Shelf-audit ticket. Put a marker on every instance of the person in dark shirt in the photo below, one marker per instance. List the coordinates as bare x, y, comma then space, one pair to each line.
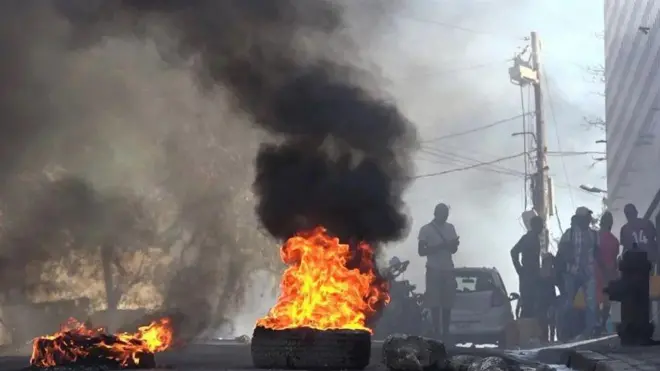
529, 266
606, 269
547, 299
638, 231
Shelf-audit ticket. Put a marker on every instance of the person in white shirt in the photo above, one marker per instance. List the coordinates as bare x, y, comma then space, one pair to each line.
438, 241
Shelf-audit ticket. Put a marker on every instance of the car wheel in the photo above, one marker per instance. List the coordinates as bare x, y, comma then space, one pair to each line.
306, 348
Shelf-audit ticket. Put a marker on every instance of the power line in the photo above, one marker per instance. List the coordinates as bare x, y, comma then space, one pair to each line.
429, 175
468, 161
525, 150
505, 171
554, 120
477, 129
561, 230
531, 142
446, 25
461, 69
465, 160
574, 153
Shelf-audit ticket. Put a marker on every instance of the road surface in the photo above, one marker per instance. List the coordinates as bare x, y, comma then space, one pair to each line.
231, 356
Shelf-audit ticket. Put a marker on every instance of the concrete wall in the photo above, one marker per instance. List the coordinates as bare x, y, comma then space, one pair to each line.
632, 65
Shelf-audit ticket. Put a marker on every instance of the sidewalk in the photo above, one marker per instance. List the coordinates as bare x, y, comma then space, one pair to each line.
614, 359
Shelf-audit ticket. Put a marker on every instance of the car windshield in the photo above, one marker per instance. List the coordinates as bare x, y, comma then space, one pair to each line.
474, 281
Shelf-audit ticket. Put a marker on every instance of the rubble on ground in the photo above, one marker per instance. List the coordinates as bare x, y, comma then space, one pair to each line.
489, 364
413, 353
245, 339
545, 368
461, 362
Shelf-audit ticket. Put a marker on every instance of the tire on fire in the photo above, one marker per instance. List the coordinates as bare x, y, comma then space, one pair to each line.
307, 348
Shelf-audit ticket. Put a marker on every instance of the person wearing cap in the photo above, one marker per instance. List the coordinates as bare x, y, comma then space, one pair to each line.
638, 231
578, 249
438, 241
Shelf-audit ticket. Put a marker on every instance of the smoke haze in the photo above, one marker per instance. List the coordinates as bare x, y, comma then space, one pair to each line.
87, 130
161, 110
127, 107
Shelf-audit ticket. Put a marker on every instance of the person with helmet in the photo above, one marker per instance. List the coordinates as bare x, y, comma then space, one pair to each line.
438, 242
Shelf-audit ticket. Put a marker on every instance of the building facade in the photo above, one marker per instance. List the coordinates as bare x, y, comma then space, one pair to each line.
632, 111
632, 87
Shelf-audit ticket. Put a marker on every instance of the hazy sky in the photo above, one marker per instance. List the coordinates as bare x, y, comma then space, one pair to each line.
450, 75
446, 64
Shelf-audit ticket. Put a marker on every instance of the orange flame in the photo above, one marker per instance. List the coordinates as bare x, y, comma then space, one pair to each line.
76, 342
319, 291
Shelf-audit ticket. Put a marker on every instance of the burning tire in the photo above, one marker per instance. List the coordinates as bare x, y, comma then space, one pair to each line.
78, 345
307, 348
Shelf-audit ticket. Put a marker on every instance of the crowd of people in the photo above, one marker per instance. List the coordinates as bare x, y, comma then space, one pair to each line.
585, 262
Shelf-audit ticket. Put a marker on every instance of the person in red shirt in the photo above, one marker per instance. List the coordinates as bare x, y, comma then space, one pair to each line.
606, 267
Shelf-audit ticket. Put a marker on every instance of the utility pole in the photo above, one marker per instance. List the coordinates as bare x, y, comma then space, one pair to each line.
525, 73
540, 192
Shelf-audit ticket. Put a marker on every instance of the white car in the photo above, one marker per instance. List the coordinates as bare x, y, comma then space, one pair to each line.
482, 308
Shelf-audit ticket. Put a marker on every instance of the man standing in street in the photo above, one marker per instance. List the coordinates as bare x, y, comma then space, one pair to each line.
578, 249
639, 231
438, 241
547, 299
529, 246
606, 267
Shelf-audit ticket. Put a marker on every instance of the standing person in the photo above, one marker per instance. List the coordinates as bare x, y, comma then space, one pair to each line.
547, 299
606, 269
564, 320
438, 241
529, 246
642, 233
639, 231
578, 249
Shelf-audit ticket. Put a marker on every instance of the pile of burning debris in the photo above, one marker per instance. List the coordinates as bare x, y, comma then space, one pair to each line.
321, 320
328, 293
78, 344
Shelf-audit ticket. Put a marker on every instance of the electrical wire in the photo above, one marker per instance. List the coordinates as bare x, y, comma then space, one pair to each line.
484, 166
531, 143
457, 159
530, 140
574, 153
481, 164
461, 69
453, 148
554, 120
525, 150
561, 230
477, 129
449, 25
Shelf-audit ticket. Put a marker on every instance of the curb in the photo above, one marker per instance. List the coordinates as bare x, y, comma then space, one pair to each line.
554, 356
510, 359
586, 360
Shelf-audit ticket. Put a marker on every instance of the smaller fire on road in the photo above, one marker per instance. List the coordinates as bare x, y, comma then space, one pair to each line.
77, 344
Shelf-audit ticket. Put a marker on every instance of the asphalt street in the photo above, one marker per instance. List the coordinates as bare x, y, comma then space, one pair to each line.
234, 356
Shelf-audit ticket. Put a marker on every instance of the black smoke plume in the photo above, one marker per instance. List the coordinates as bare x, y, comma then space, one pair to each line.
336, 155
340, 156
